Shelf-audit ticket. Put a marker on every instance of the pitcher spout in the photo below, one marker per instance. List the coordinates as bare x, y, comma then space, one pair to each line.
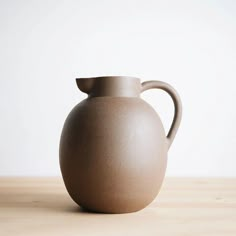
85, 84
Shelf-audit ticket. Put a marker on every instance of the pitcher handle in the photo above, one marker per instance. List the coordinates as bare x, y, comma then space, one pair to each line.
154, 84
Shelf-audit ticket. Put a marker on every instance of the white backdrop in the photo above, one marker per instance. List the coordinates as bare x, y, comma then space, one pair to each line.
45, 45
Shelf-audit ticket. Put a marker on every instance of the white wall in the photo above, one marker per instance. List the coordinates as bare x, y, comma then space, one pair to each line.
45, 45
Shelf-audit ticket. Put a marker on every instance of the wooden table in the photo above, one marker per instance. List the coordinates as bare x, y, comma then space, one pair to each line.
41, 206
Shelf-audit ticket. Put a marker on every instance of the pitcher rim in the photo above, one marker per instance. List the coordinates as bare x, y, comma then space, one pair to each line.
109, 76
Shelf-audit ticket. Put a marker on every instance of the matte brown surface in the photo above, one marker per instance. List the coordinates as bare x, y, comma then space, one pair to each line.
113, 149
184, 207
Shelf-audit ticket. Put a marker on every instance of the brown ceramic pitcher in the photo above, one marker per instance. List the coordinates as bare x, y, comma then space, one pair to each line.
113, 148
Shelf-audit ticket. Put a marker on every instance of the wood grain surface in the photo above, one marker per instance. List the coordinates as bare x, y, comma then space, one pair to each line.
185, 206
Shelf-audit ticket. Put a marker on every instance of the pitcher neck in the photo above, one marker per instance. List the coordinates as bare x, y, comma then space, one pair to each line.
110, 86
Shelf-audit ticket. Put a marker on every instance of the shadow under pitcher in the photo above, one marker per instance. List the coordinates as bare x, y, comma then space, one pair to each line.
113, 147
